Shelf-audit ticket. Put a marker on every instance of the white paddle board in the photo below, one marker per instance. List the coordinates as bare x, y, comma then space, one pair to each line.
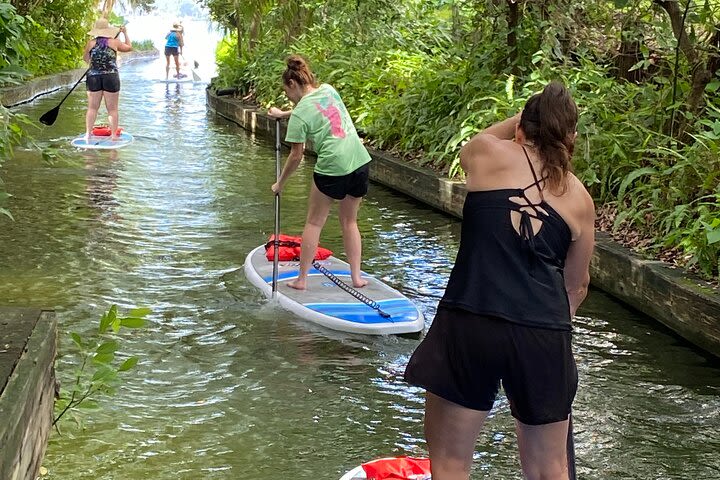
175, 80
326, 304
102, 142
356, 473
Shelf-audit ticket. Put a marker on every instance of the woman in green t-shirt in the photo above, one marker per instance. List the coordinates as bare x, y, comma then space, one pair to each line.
341, 172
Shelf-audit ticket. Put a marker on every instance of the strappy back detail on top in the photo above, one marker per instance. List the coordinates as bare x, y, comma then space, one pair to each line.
103, 58
506, 267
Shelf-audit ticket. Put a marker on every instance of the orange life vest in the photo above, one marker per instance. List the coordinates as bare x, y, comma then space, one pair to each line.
398, 468
289, 249
104, 131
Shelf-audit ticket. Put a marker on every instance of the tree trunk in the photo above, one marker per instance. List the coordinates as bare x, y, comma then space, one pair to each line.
513, 20
702, 74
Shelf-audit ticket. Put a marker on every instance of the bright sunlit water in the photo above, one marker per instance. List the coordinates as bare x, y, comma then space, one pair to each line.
229, 387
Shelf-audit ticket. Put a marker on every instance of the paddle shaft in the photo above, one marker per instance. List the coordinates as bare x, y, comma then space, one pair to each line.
276, 257
571, 450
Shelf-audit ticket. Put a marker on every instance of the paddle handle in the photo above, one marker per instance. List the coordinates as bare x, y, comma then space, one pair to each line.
276, 244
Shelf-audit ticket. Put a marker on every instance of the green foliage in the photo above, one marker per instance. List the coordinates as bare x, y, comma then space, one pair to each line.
13, 131
420, 77
48, 38
143, 45
98, 367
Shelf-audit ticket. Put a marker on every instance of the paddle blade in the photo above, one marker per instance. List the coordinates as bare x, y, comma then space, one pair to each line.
196, 77
49, 117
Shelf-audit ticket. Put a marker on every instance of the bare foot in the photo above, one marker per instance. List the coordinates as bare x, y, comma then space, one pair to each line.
297, 284
359, 283
114, 138
87, 138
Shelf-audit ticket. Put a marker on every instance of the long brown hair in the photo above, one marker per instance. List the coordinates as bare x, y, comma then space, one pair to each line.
549, 121
299, 71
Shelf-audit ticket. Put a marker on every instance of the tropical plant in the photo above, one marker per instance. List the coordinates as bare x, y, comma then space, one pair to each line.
420, 77
97, 369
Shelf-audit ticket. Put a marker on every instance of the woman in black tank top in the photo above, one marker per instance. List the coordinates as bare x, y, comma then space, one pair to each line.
520, 274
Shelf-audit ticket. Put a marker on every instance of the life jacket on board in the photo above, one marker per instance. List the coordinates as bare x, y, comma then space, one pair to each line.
104, 131
398, 468
289, 249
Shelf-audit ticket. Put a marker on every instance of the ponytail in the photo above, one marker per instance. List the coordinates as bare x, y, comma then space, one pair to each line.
549, 121
298, 71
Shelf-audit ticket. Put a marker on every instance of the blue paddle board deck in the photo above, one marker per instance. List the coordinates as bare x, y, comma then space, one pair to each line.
326, 304
102, 142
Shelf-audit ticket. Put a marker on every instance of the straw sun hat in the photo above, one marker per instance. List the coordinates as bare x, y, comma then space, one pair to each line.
103, 28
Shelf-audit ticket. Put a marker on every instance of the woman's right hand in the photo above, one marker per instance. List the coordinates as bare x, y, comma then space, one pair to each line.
275, 112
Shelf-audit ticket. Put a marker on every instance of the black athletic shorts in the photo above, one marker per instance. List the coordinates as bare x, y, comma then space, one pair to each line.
354, 184
171, 51
106, 82
464, 357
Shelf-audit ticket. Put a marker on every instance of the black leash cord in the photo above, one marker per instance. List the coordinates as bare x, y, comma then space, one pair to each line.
367, 301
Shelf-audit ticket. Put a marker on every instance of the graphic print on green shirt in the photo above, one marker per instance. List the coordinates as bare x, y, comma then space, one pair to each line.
322, 118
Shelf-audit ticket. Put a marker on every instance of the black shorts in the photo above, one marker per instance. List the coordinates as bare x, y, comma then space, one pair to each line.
172, 51
464, 357
106, 82
354, 184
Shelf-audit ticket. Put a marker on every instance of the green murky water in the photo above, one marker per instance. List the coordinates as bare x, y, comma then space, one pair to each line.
231, 388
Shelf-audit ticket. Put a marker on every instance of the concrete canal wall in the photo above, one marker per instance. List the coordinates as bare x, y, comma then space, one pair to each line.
28, 339
672, 297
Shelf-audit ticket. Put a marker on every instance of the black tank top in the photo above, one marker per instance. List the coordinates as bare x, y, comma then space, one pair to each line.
514, 276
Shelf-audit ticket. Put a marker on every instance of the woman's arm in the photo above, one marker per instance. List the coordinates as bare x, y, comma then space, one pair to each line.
125, 46
275, 112
504, 130
86, 53
577, 263
291, 164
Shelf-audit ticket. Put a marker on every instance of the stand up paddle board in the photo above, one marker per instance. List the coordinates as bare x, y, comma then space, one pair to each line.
325, 303
175, 80
356, 473
102, 142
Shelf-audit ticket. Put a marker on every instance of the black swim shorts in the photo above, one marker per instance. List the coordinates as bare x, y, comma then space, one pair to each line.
354, 184
106, 82
171, 51
464, 357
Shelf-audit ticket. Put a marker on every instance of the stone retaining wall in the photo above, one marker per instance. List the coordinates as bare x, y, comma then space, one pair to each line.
668, 295
28, 340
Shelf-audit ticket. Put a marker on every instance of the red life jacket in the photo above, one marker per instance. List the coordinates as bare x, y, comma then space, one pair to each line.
398, 468
104, 131
289, 249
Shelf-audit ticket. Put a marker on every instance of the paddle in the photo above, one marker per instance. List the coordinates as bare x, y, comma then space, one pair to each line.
196, 77
277, 210
571, 451
48, 118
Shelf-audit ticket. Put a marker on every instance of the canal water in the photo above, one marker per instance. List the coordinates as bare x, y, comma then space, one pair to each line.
231, 387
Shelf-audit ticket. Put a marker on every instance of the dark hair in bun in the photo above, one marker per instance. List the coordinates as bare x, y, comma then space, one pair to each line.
549, 121
299, 71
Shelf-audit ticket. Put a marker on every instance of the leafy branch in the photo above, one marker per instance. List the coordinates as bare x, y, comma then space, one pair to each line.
99, 371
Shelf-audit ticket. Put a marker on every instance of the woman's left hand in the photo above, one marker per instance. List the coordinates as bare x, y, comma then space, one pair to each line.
276, 188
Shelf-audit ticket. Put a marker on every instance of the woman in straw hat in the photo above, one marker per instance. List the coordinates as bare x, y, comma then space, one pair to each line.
173, 47
103, 79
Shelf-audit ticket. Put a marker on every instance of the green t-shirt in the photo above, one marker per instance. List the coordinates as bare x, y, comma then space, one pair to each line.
321, 117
